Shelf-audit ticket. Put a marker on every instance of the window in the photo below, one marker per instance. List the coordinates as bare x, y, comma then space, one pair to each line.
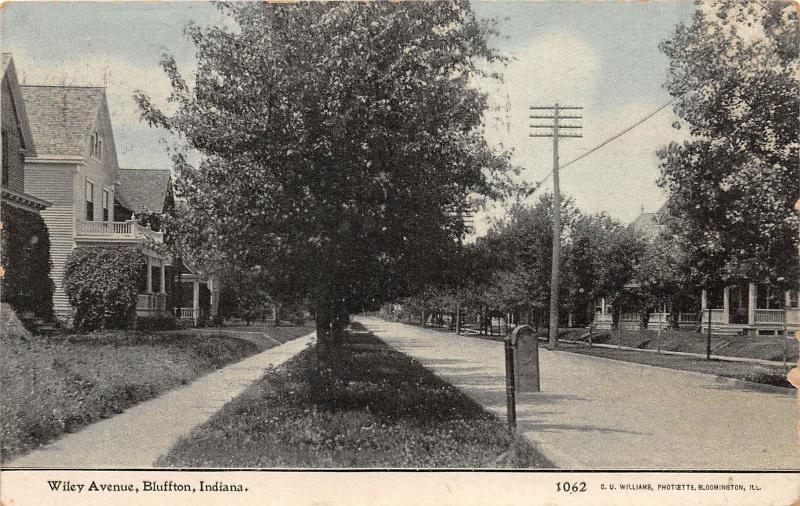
96, 145
89, 200
5, 155
106, 200
792, 298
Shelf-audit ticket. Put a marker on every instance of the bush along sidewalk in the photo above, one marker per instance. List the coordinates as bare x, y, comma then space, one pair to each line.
389, 412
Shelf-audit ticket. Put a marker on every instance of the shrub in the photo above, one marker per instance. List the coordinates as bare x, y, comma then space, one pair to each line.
101, 283
26, 258
168, 322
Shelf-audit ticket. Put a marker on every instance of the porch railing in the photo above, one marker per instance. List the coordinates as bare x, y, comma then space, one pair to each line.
115, 230
682, 318
717, 316
770, 316
186, 313
150, 304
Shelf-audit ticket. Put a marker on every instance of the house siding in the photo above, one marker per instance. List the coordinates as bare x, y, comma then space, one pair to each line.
11, 128
56, 183
103, 172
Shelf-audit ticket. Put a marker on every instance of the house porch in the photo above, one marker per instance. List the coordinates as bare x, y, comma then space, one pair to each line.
751, 308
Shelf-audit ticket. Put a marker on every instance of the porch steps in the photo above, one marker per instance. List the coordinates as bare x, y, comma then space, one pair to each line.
39, 326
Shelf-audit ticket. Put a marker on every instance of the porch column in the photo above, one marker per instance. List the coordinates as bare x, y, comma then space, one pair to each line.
149, 275
751, 303
162, 278
726, 305
703, 300
787, 301
196, 301
603, 306
213, 286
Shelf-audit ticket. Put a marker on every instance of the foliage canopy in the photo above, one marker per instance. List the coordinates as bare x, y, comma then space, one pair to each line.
341, 144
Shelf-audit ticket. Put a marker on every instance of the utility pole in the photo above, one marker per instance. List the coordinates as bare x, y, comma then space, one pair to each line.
553, 116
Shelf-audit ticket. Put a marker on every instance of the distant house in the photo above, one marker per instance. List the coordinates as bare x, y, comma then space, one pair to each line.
145, 195
651, 225
143, 191
20, 210
95, 202
743, 307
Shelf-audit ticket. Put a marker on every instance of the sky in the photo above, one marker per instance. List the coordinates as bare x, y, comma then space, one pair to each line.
603, 56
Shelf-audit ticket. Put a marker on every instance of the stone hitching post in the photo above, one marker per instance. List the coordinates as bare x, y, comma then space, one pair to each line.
522, 367
526, 359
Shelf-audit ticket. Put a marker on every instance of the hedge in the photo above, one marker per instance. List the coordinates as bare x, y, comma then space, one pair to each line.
101, 283
25, 244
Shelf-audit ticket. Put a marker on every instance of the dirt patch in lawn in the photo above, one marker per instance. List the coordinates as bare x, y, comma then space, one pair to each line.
392, 413
52, 386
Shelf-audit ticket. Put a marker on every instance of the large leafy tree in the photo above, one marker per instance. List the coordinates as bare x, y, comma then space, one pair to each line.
340, 145
661, 274
600, 259
735, 72
523, 243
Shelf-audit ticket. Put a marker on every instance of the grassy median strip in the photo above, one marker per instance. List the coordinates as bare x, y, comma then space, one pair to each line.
49, 386
392, 413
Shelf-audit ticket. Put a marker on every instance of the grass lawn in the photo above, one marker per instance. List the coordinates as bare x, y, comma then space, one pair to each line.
763, 347
263, 335
392, 413
691, 341
49, 386
757, 373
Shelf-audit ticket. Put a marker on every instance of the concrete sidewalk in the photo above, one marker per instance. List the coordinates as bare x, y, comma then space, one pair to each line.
141, 434
596, 413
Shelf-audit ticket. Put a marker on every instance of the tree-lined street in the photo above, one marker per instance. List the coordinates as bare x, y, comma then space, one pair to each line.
330, 160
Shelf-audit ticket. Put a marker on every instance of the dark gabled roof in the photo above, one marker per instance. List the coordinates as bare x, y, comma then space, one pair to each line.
10, 74
7, 60
143, 189
651, 225
61, 117
647, 225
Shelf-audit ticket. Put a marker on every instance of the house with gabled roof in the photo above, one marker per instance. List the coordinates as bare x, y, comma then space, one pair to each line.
741, 307
76, 169
24, 244
96, 202
143, 191
145, 195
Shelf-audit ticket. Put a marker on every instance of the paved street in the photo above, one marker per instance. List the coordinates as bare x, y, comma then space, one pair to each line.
141, 434
595, 413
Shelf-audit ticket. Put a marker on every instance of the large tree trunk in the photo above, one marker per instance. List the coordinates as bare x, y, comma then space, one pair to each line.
330, 327
323, 380
276, 314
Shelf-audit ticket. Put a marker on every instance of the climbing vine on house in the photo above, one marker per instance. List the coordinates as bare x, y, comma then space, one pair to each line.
101, 284
27, 286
